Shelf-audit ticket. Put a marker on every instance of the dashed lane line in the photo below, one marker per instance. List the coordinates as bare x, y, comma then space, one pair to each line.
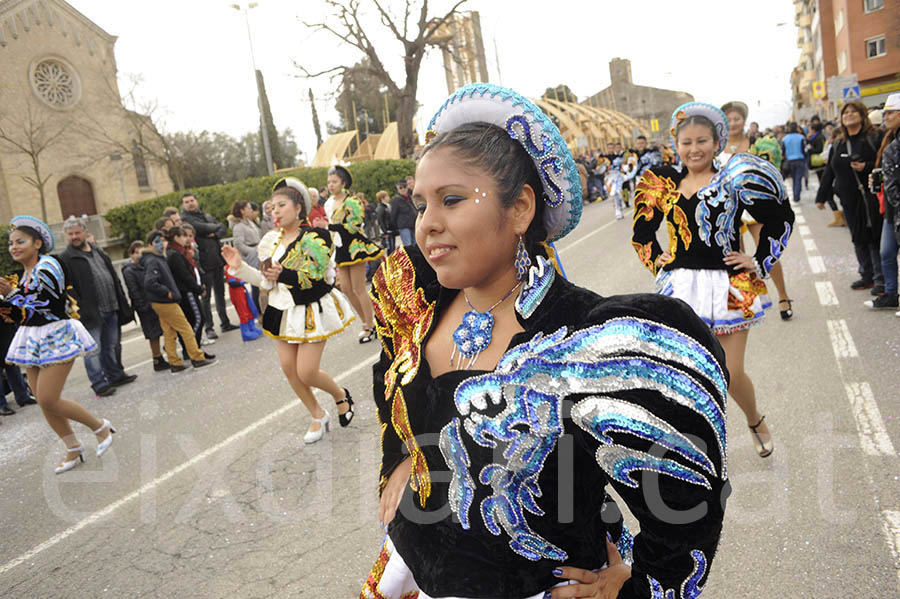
827, 296
892, 532
810, 244
804, 230
841, 340
112, 507
816, 264
872, 433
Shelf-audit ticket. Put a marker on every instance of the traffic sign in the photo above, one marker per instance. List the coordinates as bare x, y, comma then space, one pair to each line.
654, 125
837, 83
851, 93
818, 89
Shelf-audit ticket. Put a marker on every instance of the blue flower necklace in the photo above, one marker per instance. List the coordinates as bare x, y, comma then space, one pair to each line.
473, 335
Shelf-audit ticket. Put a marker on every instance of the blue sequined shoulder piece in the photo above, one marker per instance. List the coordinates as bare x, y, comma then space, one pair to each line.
529, 385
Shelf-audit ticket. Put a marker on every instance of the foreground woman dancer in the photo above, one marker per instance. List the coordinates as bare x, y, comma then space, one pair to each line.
702, 265
533, 393
304, 309
48, 341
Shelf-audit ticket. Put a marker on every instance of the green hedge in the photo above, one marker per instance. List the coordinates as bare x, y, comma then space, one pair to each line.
135, 220
7, 264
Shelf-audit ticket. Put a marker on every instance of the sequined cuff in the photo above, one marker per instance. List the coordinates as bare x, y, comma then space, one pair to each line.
760, 272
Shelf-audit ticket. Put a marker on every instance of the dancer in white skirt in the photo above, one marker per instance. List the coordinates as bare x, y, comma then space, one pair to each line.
703, 266
304, 307
48, 340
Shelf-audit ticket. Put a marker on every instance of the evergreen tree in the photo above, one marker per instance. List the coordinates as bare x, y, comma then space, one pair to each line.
277, 155
315, 119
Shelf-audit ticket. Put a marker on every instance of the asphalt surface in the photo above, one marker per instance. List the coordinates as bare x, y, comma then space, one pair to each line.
209, 490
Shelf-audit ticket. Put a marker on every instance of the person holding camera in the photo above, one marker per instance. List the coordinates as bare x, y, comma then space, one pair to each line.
850, 161
885, 182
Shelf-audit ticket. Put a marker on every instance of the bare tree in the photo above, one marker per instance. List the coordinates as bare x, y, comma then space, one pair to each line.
349, 29
142, 120
32, 136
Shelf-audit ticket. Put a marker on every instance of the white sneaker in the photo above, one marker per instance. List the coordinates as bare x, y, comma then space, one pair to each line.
207, 341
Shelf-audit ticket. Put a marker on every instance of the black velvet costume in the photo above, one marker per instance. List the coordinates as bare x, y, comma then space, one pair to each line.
510, 467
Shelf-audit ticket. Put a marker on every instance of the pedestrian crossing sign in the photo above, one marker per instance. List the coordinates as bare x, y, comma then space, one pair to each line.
654, 125
852, 93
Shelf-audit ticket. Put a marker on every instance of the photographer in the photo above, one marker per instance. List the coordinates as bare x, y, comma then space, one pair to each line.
850, 161
887, 180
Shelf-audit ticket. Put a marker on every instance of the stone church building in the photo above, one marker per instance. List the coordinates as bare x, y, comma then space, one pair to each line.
63, 126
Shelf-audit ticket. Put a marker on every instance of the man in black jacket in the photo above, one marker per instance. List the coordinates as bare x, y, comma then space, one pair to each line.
102, 304
209, 232
403, 214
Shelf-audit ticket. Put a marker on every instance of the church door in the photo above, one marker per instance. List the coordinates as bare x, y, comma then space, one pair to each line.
76, 197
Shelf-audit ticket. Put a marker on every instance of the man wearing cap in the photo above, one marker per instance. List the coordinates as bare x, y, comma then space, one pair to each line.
209, 232
96, 288
403, 214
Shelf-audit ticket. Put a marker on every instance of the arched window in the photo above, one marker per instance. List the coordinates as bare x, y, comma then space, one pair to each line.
140, 167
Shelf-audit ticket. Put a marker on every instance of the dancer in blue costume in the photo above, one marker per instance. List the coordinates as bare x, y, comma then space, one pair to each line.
510, 399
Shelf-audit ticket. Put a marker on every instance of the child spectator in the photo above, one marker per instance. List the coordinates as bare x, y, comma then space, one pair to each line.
133, 274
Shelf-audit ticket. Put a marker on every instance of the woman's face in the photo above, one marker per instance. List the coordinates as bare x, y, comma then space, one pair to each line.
850, 117
284, 211
247, 211
267, 207
891, 118
696, 146
23, 248
182, 240
735, 123
465, 233
335, 184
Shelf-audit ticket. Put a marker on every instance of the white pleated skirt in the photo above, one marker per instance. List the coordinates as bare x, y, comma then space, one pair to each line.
725, 303
53, 343
310, 323
391, 578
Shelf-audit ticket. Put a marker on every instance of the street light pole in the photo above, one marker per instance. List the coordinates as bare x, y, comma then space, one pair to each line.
262, 121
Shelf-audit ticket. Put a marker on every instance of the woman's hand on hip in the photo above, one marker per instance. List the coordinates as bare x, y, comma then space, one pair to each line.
604, 584
393, 492
739, 261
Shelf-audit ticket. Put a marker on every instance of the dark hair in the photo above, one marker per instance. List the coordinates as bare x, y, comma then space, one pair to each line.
490, 149
792, 127
863, 113
172, 232
236, 208
170, 210
160, 224
153, 236
697, 119
295, 196
187, 227
642, 137
188, 195
35, 236
255, 207
135, 245
341, 174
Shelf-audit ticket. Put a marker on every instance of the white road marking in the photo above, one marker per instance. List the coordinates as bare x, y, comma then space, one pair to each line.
585, 237
827, 296
873, 436
804, 230
810, 245
841, 341
892, 531
100, 514
799, 219
816, 264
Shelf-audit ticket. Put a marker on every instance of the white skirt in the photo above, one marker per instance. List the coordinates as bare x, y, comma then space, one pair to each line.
391, 578
310, 323
53, 343
726, 304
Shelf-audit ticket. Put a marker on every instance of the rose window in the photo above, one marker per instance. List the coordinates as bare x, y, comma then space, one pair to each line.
55, 83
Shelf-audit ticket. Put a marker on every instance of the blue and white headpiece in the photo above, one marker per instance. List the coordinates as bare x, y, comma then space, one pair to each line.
38, 225
713, 113
527, 124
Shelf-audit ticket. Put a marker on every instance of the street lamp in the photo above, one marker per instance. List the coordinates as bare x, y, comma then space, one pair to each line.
262, 121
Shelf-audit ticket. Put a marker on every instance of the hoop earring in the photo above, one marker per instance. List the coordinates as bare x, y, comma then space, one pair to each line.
523, 260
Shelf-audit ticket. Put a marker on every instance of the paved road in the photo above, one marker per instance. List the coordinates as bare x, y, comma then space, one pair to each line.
209, 490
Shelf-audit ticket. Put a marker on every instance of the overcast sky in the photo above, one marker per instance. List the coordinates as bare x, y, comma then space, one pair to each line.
194, 56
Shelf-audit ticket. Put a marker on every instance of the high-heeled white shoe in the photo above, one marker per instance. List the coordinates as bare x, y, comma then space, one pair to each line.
66, 466
105, 443
313, 436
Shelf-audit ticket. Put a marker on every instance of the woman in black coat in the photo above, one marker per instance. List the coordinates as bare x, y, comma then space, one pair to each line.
187, 277
851, 160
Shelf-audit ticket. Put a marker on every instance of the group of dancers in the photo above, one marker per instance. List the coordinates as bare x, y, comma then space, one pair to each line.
539, 395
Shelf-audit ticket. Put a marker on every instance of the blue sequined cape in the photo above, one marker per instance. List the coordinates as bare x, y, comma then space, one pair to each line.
510, 468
